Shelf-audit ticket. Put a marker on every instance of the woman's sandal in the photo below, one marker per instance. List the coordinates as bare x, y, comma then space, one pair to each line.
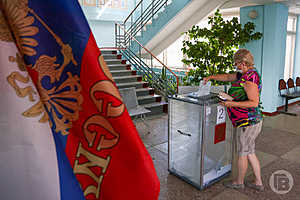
255, 187
231, 185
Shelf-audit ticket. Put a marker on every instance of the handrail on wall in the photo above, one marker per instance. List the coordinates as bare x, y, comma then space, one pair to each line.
132, 37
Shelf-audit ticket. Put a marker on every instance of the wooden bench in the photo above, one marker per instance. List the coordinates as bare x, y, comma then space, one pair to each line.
289, 91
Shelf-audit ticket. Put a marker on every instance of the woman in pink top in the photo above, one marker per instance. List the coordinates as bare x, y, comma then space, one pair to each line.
245, 115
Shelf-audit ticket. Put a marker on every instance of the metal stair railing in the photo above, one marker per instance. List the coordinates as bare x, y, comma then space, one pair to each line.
166, 82
141, 15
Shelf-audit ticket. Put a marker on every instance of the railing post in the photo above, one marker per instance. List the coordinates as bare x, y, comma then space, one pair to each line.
119, 33
151, 62
152, 9
141, 19
165, 80
116, 42
140, 55
131, 19
124, 37
130, 42
124, 26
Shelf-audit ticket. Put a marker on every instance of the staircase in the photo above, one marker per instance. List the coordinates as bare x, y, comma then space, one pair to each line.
125, 77
159, 26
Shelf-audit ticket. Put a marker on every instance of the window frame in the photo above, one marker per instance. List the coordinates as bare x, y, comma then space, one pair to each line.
288, 73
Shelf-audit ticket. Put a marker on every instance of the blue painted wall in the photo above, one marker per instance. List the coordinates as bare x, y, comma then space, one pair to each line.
255, 46
273, 22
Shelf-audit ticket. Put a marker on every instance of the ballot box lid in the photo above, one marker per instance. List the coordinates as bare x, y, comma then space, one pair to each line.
200, 100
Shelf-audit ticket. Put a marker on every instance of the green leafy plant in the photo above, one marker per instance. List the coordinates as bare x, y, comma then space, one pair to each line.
210, 51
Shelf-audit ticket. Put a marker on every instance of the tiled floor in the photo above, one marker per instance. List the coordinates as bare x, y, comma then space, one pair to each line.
278, 148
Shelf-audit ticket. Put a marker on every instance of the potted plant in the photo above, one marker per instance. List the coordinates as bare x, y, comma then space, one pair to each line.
210, 51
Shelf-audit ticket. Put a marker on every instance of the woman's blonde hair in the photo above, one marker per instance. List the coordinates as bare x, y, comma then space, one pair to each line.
244, 55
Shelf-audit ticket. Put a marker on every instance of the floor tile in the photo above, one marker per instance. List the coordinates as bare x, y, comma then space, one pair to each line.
158, 130
162, 147
264, 160
295, 108
232, 195
293, 155
276, 142
283, 122
173, 188
279, 164
277, 148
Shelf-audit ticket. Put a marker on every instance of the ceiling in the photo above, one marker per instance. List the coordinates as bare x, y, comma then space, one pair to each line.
294, 5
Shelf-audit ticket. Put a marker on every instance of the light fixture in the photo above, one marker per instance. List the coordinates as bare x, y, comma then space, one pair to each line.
253, 14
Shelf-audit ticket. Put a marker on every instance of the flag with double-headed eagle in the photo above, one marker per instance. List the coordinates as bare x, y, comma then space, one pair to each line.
64, 130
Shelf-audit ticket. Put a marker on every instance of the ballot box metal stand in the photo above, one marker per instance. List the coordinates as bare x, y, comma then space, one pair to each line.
199, 139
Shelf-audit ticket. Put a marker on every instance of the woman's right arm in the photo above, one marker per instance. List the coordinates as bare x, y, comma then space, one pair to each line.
221, 77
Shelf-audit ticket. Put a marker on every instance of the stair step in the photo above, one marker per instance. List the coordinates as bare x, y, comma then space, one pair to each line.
112, 56
115, 61
138, 84
144, 91
126, 72
157, 108
126, 79
103, 51
148, 99
117, 67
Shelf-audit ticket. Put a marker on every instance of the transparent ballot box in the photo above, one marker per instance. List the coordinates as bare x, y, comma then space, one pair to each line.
200, 135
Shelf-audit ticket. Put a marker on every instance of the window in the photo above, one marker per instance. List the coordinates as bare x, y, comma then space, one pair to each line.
290, 47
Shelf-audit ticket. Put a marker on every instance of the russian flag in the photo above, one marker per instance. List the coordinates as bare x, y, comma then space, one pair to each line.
65, 132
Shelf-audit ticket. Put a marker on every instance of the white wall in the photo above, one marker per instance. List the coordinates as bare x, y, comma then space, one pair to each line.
104, 32
102, 21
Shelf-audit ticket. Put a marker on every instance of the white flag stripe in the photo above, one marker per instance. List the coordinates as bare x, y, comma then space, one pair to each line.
27, 151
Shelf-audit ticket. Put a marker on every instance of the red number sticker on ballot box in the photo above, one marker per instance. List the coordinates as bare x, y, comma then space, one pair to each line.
220, 132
